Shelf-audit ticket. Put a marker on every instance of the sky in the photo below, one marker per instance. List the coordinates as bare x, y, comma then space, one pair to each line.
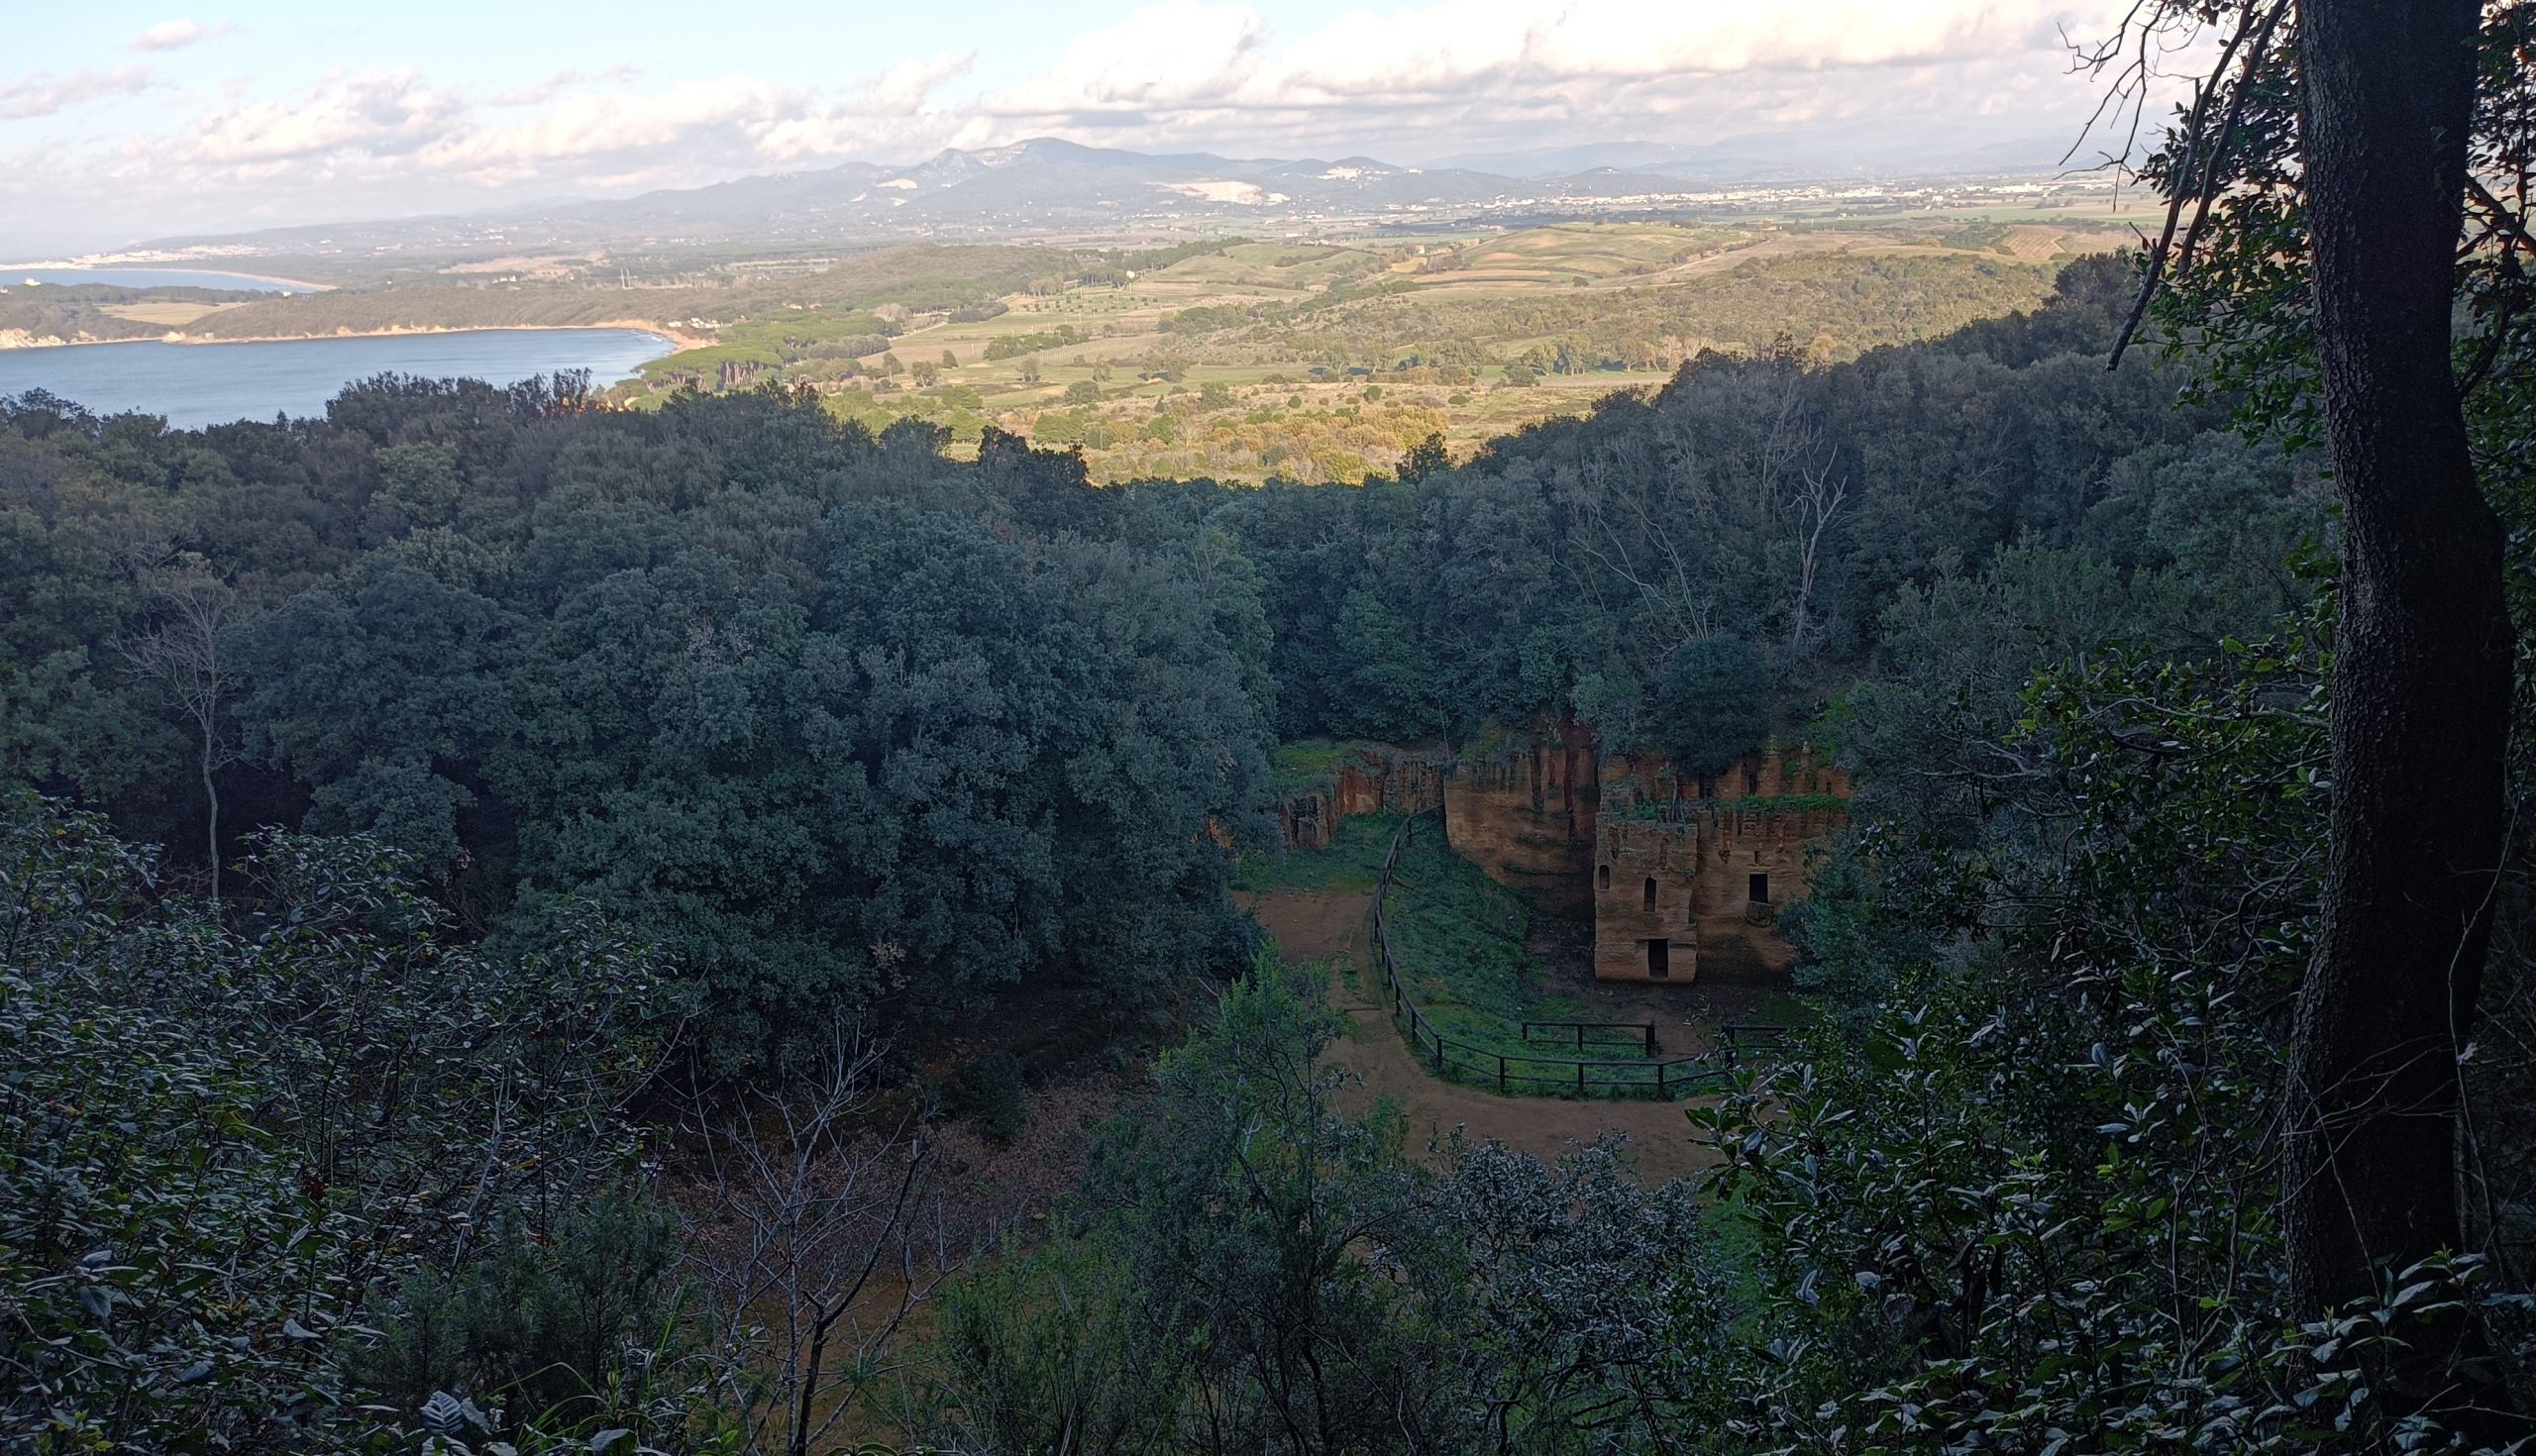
121, 121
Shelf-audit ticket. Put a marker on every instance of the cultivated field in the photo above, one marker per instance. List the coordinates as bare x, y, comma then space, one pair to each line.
1308, 358
1325, 360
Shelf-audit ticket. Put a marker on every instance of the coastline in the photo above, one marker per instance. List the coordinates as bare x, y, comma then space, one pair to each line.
176, 266
676, 338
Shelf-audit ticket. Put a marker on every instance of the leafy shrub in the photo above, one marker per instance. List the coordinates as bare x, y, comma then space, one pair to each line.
989, 1088
223, 1146
562, 1329
1254, 1272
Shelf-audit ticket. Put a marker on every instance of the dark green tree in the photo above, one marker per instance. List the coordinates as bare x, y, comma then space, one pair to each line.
2330, 229
1714, 704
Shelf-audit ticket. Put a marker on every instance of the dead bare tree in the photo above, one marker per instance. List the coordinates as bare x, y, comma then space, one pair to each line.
1790, 440
185, 651
814, 1240
1656, 518
1817, 498
1793, 479
1630, 531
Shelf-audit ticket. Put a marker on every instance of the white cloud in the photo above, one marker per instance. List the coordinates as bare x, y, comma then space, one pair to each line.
1179, 52
175, 35
372, 114
1601, 38
43, 94
1403, 84
904, 87
560, 82
894, 114
1185, 53
585, 126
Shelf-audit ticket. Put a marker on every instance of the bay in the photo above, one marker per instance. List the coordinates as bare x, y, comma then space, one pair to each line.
11, 277
196, 385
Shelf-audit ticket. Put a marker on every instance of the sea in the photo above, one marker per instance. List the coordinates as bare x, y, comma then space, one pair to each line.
12, 276
196, 385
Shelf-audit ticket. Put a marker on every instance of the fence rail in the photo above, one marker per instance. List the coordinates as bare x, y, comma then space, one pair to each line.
1663, 1078
1641, 1031
1747, 1036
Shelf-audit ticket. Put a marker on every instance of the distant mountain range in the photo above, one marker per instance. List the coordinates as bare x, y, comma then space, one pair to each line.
1047, 187
1815, 153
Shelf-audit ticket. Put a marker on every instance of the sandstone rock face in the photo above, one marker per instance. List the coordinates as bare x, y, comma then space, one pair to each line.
1544, 812
1646, 917
1774, 774
1306, 820
1706, 879
1679, 872
1370, 779
1402, 783
1522, 807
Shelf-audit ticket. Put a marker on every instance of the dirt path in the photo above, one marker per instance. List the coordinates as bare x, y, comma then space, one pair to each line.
1312, 926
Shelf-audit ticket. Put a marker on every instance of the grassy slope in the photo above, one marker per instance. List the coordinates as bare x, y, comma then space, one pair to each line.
1347, 867
917, 275
1248, 322
1458, 938
100, 313
1308, 764
1458, 934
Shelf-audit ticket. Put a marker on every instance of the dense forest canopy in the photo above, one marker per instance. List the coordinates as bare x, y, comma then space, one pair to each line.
461, 851
835, 717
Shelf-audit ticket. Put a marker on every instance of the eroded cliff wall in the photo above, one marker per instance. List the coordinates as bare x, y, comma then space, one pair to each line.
1521, 805
1683, 886
1680, 874
1348, 780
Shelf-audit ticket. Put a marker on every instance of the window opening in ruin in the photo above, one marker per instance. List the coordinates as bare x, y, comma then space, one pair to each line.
1650, 892
1659, 959
1758, 890
1603, 877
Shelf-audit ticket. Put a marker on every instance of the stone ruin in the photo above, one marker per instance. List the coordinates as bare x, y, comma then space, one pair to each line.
1679, 872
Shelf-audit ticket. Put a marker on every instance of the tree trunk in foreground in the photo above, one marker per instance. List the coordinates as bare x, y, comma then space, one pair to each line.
211, 802
2421, 679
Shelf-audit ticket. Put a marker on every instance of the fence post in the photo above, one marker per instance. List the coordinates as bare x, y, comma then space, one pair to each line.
1580, 1038
1580, 1078
1651, 1038
1501, 1072
1660, 1094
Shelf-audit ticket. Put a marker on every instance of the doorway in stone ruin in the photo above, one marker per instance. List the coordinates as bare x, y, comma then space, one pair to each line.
1757, 889
1659, 960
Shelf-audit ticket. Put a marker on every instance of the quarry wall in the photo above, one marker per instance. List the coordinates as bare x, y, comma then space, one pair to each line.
1680, 874
1699, 889
1362, 779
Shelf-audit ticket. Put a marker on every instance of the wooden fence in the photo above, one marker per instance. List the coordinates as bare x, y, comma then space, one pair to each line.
1636, 1031
1746, 1037
1660, 1077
